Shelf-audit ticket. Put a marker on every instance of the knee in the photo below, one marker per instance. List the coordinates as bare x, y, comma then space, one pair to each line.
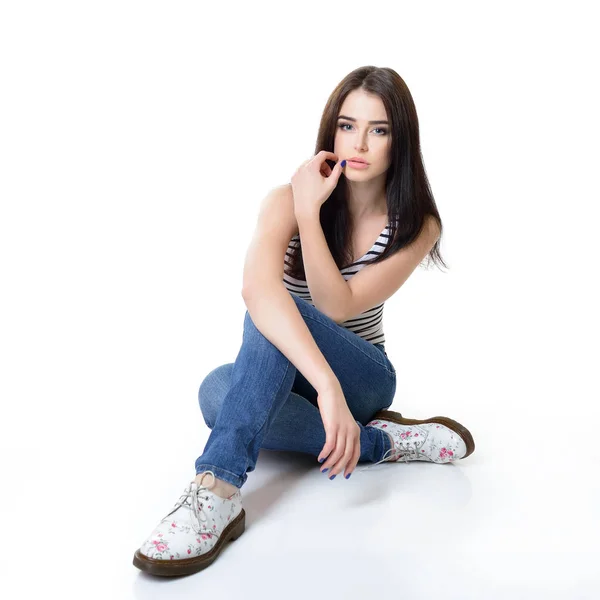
212, 391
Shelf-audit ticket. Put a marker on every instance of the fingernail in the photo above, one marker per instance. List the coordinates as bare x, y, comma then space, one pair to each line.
325, 470
332, 478
348, 476
322, 460
344, 163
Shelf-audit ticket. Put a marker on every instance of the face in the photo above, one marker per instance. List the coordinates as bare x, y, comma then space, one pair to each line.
356, 137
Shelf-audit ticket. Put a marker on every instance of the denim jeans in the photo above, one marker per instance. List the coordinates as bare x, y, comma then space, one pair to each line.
262, 401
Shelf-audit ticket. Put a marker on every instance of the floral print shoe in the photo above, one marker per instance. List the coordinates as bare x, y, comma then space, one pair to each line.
193, 534
438, 440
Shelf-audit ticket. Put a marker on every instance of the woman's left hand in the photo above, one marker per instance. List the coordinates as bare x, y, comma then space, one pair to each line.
313, 182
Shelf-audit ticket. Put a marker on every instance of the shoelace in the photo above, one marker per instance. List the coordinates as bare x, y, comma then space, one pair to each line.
189, 499
405, 454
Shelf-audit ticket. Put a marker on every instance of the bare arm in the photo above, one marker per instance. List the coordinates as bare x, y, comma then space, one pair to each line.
328, 288
276, 316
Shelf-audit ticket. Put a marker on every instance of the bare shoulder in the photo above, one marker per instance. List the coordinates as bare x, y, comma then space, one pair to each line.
286, 194
286, 188
279, 204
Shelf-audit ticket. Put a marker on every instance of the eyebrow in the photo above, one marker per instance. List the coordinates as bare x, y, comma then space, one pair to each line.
370, 122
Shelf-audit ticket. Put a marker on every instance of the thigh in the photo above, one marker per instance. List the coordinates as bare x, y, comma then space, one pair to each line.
365, 373
216, 384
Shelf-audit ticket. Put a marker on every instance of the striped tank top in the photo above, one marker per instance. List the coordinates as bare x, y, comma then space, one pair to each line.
369, 324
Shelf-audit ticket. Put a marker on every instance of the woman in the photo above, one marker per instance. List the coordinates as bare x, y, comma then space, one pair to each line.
312, 374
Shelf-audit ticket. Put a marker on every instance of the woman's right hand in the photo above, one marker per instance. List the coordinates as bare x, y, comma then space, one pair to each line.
342, 445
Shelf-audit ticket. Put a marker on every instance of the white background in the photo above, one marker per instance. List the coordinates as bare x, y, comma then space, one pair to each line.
137, 140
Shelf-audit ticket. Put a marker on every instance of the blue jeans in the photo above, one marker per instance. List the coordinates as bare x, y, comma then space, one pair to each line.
263, 401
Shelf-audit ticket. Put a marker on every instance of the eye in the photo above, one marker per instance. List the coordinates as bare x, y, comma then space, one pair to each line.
384, 131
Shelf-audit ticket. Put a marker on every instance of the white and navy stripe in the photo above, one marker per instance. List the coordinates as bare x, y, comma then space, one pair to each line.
369, 324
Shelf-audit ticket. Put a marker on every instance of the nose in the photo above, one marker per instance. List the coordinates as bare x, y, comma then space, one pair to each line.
360, 143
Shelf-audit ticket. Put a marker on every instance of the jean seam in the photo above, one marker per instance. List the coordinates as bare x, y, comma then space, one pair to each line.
349, 341
287, 368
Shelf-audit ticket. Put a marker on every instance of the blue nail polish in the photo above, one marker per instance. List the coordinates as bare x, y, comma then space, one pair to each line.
343, 163
348, 476
325, 470
322, 460
332, 478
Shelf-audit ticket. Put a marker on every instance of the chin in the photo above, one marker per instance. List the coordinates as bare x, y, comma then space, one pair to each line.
356, 174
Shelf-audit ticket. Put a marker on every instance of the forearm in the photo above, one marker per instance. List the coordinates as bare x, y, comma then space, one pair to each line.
276, 316
328, 289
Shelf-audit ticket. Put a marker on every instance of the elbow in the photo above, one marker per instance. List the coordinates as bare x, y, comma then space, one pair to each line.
246, 293
338, 318
259, 287
249, 285
329, 312
341, 315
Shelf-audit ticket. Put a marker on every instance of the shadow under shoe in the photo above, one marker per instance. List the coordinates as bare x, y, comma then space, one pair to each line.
193, 534
438, 439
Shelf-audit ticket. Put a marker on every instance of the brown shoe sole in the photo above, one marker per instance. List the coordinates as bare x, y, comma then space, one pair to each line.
187, 566
396, 417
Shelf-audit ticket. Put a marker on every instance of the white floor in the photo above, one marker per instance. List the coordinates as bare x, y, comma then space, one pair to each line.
517, 519
137, 143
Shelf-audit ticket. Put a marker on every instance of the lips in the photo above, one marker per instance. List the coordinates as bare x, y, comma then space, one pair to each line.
357, 165
358, 160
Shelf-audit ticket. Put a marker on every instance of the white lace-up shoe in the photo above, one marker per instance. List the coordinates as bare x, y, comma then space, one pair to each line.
438, 440
193, 534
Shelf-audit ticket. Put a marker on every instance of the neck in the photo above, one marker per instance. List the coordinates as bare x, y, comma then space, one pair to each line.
367, 198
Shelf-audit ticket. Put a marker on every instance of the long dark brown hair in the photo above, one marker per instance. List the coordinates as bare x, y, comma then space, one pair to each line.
409, 196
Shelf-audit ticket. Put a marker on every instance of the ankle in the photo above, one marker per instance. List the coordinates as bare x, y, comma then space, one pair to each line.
391, 441
221, 488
